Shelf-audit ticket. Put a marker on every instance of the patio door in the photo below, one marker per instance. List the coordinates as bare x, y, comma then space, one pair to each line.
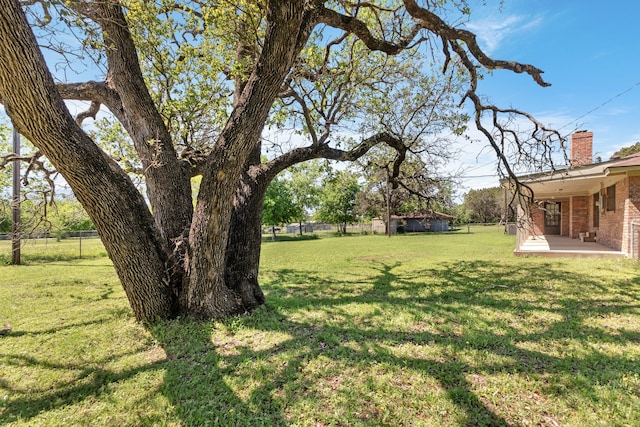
552, 218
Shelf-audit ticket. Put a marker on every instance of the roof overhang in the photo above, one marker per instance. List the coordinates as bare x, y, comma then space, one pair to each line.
623, 170
580, 181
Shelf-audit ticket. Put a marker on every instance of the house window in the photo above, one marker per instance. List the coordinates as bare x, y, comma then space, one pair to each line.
611, 198
596, 210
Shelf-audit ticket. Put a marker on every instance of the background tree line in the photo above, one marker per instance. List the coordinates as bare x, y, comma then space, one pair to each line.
312, 190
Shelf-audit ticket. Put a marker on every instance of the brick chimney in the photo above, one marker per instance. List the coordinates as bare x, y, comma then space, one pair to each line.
581, 148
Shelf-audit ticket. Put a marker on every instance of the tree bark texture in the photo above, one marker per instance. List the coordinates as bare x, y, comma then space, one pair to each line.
110, 198
245, 238
168, 183
206, 293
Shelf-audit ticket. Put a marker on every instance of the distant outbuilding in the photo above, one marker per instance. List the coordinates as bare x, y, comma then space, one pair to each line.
414, 222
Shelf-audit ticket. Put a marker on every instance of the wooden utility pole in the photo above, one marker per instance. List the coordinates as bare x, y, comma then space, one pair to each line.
388, 208
505, 214
15, 202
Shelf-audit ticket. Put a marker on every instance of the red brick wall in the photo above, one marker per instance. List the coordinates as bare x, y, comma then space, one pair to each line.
612, 223
615, 227
581, 148
579, 216
537, 217
632, 213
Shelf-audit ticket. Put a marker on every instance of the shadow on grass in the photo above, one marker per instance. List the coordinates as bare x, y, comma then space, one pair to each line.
88, 382
238, 380
202, 384
231, 373
223, 374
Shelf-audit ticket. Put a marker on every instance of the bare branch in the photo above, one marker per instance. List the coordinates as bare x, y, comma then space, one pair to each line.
34, 163
271, 169
307, 116
540, 138
435, 24
45, 9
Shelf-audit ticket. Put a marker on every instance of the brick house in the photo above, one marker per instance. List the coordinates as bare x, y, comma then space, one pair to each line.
588, 201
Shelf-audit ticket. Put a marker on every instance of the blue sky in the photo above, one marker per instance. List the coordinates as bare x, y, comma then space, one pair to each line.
590, 53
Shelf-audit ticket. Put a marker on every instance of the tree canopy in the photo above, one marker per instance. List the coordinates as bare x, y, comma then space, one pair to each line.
199, 88
485, 205
627, 151
279, 207
305, 186
338, 200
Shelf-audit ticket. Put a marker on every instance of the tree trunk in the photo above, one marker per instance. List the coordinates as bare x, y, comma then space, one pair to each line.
110, 198
243, 253
138, 244
245, 237
206, 294
167, 181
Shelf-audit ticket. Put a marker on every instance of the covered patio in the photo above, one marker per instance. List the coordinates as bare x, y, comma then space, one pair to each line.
558, 246
595, 199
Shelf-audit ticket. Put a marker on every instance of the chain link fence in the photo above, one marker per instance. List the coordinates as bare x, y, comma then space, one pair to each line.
48, 245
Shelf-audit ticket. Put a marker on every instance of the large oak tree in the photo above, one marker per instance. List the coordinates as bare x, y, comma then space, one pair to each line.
173, 257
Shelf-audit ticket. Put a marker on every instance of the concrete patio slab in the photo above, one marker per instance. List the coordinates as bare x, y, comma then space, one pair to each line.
556, 246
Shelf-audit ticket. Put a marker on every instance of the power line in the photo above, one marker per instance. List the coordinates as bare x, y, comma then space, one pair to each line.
566, 125
601, 105
477, 176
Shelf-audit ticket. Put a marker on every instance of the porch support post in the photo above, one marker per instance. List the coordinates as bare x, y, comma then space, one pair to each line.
570, 218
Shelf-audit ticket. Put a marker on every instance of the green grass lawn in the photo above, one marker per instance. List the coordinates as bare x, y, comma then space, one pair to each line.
426, 329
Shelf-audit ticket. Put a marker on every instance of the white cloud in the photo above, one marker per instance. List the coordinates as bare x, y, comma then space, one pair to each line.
493, 30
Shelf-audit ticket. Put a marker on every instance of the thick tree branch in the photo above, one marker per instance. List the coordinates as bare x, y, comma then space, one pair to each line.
91, 91
138, 114
270, 169
359, 29
425, 19
91, 112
